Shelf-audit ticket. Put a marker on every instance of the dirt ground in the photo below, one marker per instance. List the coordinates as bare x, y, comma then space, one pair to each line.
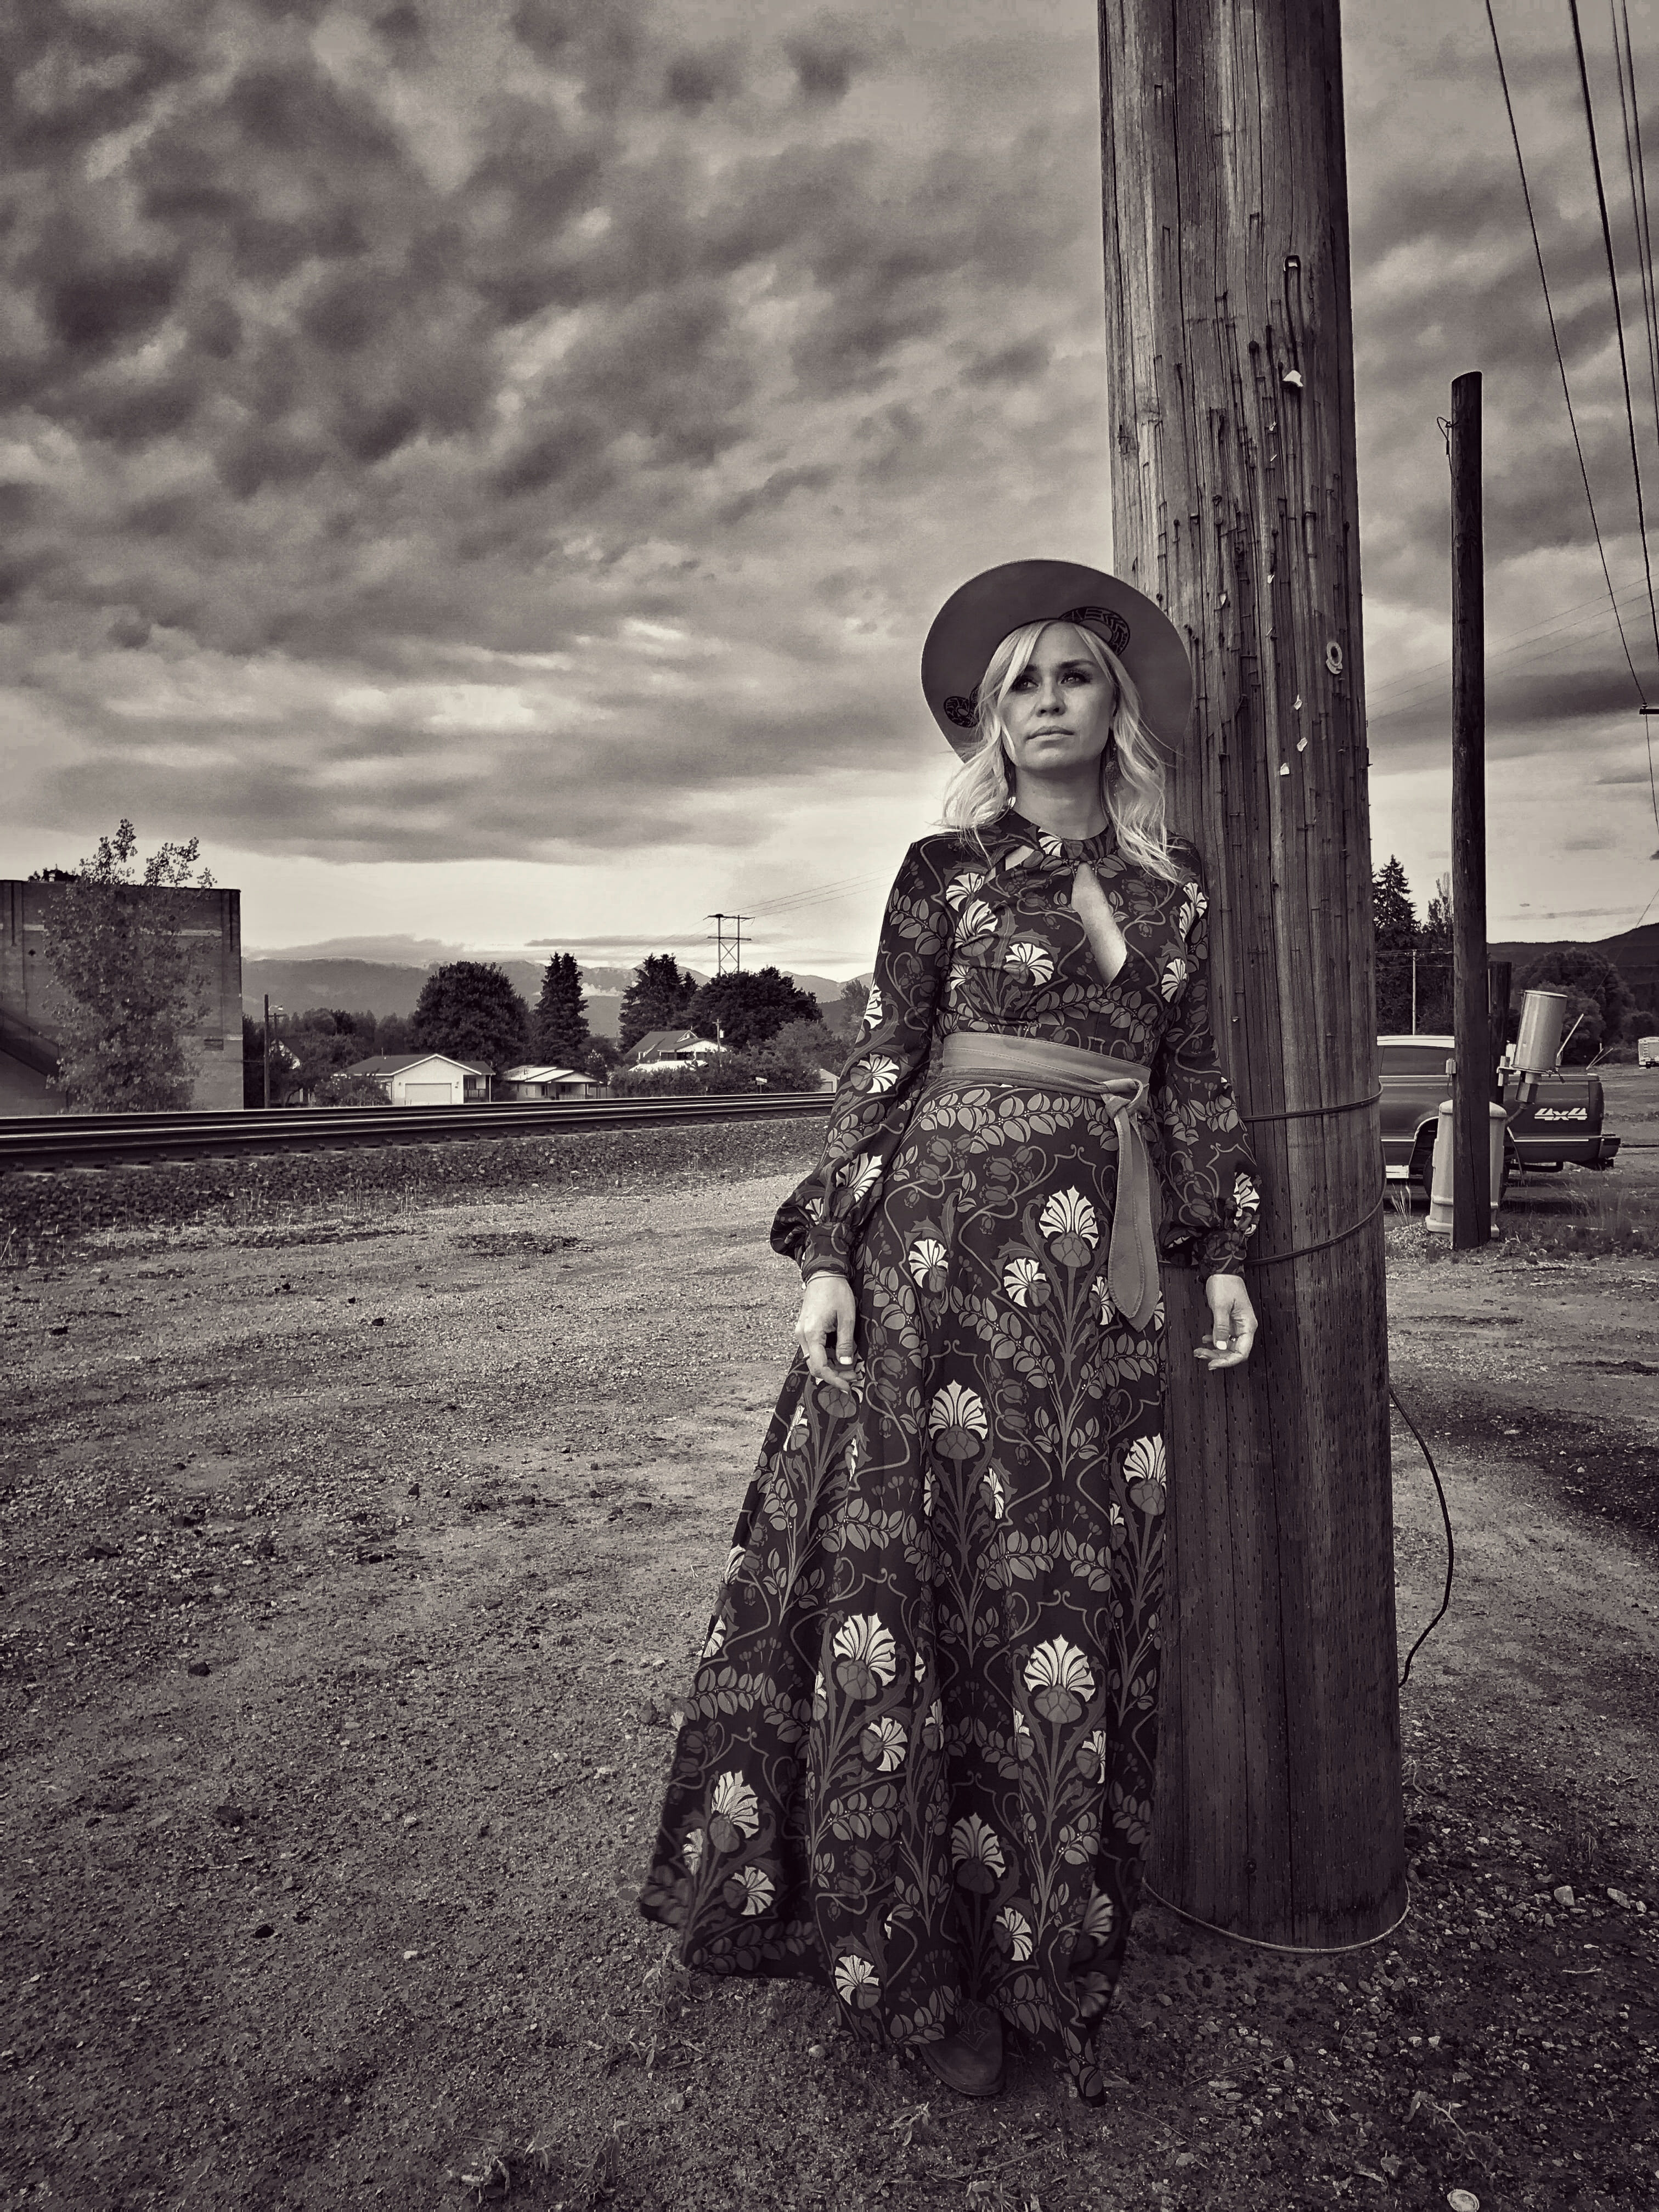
351, 1572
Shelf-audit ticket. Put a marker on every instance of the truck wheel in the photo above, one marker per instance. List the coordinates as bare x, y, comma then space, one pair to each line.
1422, 1167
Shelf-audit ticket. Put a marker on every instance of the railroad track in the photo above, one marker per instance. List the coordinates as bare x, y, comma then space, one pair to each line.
82, 1141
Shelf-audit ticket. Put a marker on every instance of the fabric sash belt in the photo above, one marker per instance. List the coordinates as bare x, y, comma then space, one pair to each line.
1121, 1085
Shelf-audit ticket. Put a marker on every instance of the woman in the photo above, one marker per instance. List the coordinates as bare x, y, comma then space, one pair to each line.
917, 1760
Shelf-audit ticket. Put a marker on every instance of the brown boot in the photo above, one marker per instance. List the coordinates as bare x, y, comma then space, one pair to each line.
971, 2060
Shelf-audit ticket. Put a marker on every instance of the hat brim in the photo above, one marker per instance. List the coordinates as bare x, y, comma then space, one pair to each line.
976, 617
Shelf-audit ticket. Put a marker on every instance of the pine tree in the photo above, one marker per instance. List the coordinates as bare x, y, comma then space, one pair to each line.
561, 1037
659, 998
1395, 920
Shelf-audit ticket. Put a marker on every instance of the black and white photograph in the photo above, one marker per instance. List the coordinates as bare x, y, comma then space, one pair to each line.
829, 1106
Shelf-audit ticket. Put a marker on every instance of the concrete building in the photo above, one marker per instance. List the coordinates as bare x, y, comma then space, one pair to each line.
28, 1052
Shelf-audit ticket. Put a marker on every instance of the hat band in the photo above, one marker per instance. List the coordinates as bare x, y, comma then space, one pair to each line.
964, 712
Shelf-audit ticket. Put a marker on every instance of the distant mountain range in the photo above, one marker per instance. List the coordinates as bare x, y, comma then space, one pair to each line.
312, 977
345, 973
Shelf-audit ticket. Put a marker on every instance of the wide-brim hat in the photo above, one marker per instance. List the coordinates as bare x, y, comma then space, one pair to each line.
979, 614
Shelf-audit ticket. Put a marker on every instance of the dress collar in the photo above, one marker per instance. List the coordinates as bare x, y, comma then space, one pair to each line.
1012, 829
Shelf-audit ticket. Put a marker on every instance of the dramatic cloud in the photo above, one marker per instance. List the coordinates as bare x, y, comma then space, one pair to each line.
533, 436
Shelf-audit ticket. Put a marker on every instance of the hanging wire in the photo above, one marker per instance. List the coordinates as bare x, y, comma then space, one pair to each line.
1561, 361
1630, 115
1617, 317
1638, 203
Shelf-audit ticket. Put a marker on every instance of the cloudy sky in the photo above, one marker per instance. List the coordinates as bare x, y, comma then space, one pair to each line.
486, 466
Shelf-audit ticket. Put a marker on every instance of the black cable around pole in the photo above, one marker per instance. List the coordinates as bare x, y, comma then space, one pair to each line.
1561, 361
1618, 313
1445, 1516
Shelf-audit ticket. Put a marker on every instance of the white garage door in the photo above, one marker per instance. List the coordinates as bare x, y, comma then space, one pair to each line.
427, 1094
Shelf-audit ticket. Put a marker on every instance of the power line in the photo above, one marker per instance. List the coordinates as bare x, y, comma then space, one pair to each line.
1617, 321
1399, 696
1555, 339
1636, 169
1638, 207
1516, 639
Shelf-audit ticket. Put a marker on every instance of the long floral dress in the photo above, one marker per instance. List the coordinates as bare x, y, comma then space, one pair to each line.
918, 1755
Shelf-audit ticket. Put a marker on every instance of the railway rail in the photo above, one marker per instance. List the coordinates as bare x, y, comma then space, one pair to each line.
44, 1143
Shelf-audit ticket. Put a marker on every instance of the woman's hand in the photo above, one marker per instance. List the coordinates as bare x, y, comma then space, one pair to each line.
826, 1310
1233, 1324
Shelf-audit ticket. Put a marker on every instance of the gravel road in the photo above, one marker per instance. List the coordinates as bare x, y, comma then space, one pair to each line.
352, 1573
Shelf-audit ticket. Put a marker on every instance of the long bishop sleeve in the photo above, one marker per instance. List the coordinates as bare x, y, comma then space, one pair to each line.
819, 1223
1210, 1177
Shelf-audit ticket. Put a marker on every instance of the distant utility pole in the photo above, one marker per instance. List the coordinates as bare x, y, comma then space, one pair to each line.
1471, 1009
1230, 366
728, 951
267, 1048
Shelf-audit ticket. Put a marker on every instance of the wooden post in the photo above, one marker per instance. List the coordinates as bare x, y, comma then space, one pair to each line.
267, 1048
1230, 361
1472, 1091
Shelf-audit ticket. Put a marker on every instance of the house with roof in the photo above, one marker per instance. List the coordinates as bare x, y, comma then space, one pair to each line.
531, 1082
669, 1048
424, 1079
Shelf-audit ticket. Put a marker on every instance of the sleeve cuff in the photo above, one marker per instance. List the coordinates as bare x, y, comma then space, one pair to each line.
825, 1250
1221, 1252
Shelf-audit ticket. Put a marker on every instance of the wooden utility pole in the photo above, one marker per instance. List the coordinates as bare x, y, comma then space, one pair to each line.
1230, 363
1471, 1021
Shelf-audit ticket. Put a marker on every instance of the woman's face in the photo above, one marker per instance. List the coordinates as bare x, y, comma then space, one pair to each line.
1058, 712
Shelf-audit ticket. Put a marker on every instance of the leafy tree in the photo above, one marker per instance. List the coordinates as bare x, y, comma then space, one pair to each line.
126, 986
470, 1010
798, 1055
342, 1087
604, 1054
285, 1078
1581, 1030
1640, 1022
393, 1034
1438, 927
854, 997
1576, 968
748, 1009
659, 998
561, 1032
323, 1044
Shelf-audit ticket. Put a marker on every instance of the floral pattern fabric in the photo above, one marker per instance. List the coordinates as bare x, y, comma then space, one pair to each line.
918, 1755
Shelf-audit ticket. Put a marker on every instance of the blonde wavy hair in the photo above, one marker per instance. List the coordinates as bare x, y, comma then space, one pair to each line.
1132, 779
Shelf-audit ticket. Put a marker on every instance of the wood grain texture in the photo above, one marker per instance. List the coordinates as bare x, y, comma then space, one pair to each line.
1471, 1092
1234, 504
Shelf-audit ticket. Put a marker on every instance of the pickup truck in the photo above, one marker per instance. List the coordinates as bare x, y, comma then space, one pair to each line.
1560, 1126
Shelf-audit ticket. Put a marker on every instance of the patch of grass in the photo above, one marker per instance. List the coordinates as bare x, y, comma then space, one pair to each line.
1590, 1217
1595, 1219
502, 2170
